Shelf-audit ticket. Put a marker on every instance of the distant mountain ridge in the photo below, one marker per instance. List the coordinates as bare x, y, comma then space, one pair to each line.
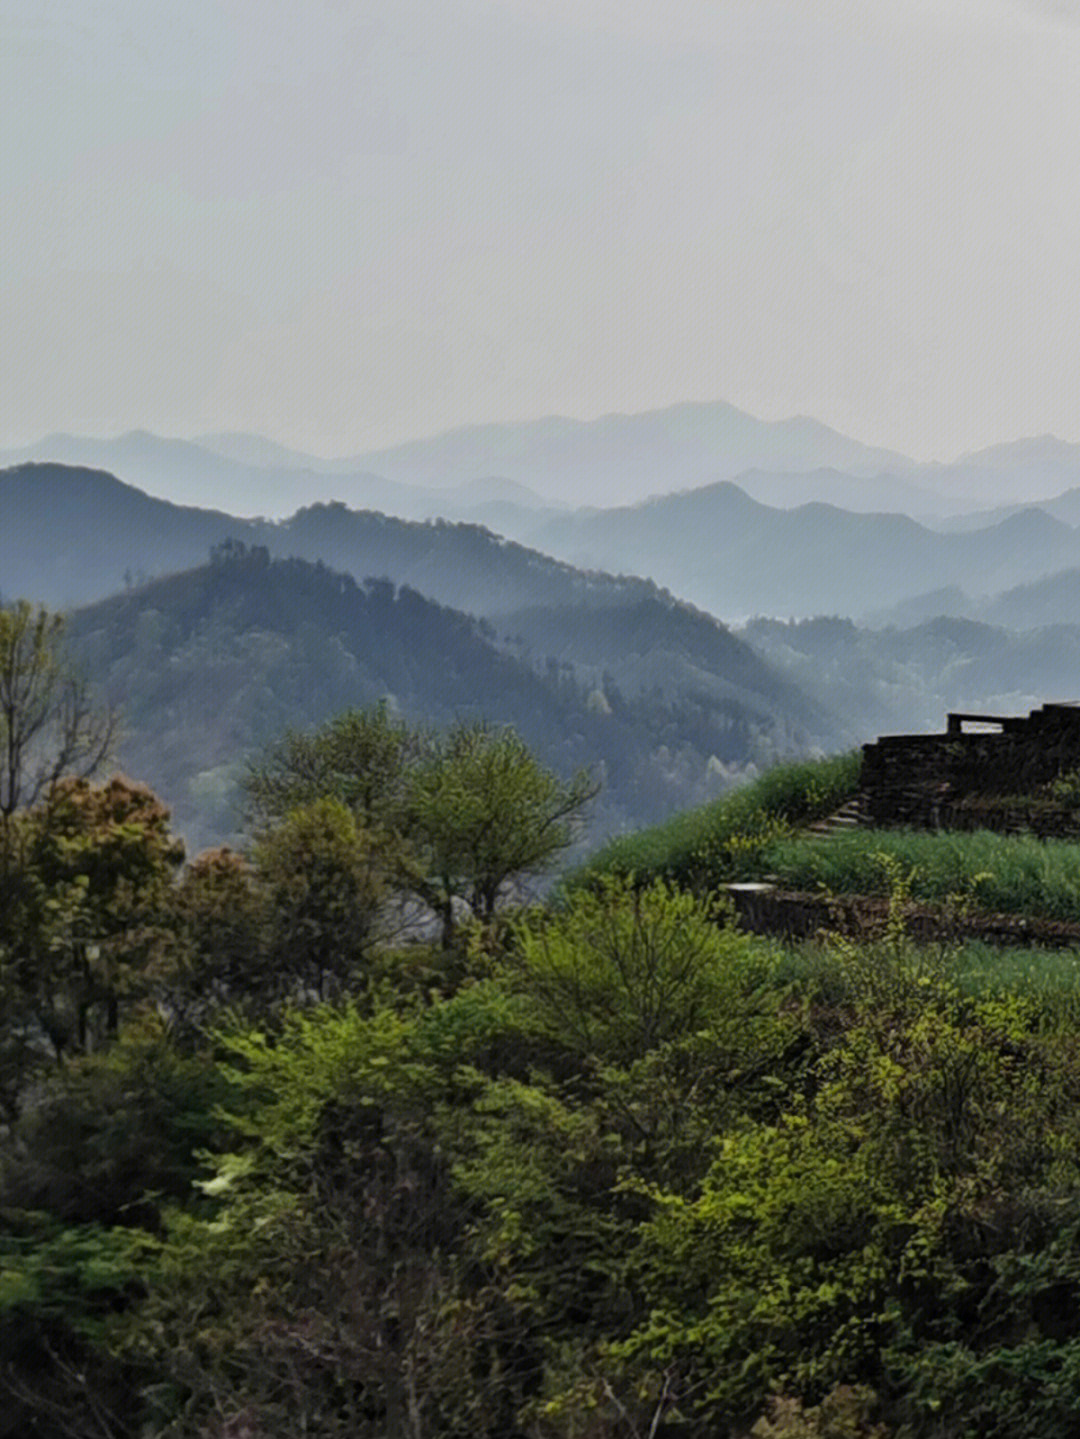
502, 475
631, 456
906, 679
1025, 471
240, 472
72, 535
862, 494
507, 475
734, 557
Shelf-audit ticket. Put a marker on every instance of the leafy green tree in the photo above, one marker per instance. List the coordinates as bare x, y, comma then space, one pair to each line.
484, 812
219, 921
460, 814
359, 758
322, 1295
61, 1288
113, 1137
324, 875
85, 927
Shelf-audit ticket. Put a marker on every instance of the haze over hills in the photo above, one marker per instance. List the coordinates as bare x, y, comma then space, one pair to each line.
260, 479
731, 555
620, 458
1025, 470
508, 476
862, 494
184, 472
74, 535
1064, 506
500, 475
1052, 600
211, 663
897, 680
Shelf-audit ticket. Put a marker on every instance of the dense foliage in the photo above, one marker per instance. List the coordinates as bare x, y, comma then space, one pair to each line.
602, 1169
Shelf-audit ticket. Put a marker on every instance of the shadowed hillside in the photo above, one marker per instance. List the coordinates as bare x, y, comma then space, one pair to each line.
210, 664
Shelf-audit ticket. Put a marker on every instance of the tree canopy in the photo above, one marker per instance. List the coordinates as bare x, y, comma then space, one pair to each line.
463, 812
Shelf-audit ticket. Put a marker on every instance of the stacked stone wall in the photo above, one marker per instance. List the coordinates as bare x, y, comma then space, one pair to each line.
794, 915
971, 780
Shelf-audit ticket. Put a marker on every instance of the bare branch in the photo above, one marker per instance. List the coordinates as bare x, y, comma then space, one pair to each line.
50, 725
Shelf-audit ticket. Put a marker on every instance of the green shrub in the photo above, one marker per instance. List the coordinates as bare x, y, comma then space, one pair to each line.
625, 970
726, 839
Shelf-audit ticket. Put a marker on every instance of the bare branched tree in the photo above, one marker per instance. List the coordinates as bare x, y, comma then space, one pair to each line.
50, 725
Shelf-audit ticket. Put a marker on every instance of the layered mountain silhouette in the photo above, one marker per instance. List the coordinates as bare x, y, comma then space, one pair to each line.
259, 478
895, 679
505, 475
731, 555
1053, 600
629, 457
71, 535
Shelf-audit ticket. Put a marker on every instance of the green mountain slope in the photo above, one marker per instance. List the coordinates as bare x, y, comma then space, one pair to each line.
212, 663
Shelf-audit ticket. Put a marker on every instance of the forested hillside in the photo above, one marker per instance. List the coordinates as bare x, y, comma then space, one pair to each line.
895, 679
205, 666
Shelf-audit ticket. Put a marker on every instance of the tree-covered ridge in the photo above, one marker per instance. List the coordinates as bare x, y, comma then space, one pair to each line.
209, 664
898, 679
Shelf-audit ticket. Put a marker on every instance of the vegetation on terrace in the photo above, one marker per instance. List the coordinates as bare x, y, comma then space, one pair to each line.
724, 840
1012, 874
758, 832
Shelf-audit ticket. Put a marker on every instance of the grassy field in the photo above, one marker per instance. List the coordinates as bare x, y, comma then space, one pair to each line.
1014, 874
725, 840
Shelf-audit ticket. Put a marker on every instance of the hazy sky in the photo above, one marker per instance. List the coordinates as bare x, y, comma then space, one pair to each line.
342, 223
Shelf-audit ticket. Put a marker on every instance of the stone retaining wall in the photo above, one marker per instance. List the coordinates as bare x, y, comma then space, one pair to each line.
931, 781
793, 914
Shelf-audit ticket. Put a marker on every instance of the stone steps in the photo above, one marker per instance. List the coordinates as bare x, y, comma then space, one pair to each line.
841, 821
